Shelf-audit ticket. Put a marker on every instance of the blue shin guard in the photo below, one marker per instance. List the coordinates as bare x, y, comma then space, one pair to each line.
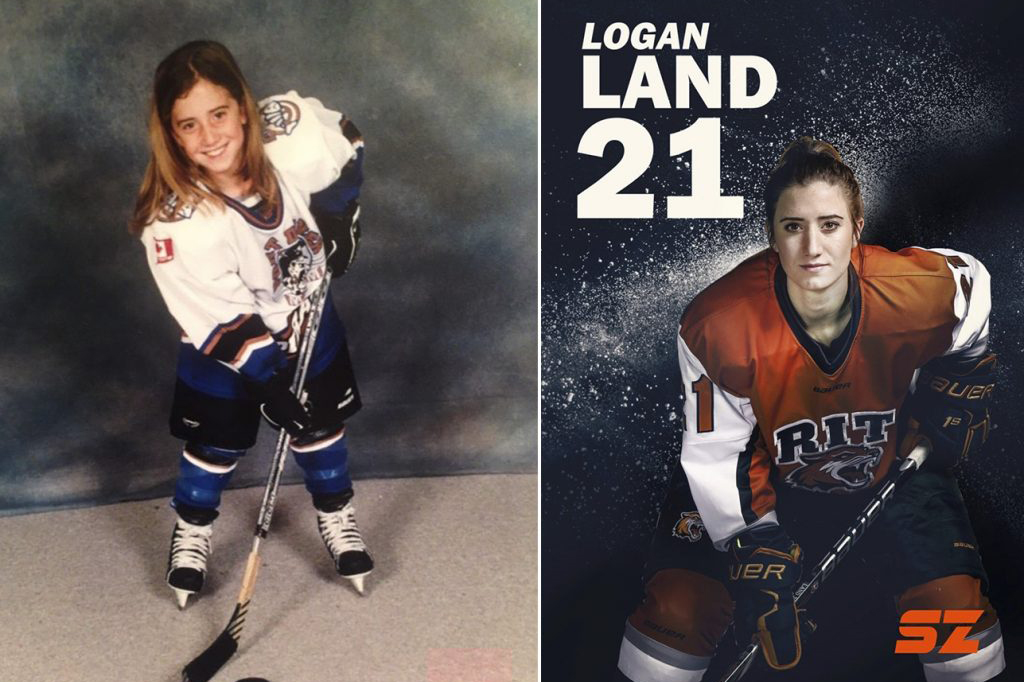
204, 472
324, 464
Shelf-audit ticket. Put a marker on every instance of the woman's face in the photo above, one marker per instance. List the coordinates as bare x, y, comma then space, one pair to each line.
208, 126
814, 234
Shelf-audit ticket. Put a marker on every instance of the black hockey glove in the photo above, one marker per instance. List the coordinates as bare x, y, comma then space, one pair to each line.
764, 569
949, 407
341, 235
279, 405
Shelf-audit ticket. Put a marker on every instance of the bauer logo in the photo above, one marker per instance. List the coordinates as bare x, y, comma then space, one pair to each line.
164, 250
920, 636
829, 389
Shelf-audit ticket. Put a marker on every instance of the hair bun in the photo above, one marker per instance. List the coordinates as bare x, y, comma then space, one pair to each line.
808, 146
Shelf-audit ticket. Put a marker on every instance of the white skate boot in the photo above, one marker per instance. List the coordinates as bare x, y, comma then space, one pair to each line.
186, 565
341, 536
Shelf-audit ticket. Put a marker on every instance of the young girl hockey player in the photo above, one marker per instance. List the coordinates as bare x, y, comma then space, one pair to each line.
796, 368
242, 209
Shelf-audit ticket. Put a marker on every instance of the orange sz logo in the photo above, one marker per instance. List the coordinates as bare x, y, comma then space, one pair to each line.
918, 627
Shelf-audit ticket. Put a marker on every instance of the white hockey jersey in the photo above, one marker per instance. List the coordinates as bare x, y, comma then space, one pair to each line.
232, 277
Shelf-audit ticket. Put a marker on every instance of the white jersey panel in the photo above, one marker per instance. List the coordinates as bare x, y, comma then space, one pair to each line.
972, 304
710, 458
195, 265
305, 141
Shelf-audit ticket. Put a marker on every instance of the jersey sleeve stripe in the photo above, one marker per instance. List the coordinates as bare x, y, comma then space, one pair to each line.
337, 196
249, 347
246, 345
743, 483
219, 332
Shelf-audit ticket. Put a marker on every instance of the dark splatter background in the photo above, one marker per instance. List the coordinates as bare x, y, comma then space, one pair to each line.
925, 101
440, 305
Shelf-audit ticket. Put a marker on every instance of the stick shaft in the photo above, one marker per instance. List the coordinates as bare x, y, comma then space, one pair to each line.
252, 569
311, 329
829, 562
204, 666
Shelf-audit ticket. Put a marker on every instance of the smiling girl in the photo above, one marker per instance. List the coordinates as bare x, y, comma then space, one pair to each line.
242, 210
796, 368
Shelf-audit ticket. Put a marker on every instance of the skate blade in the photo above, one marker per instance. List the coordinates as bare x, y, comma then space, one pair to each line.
358, 582
181, 596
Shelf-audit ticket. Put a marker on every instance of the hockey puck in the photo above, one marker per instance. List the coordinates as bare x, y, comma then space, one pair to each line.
253, 679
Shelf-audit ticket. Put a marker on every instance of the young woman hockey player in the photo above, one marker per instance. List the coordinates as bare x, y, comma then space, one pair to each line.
242, 209
796, 368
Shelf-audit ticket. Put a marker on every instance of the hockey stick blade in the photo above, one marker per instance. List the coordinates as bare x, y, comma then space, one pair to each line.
203, 667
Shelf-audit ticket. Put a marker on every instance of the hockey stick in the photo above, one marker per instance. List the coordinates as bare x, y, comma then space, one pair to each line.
825, 567
204, 666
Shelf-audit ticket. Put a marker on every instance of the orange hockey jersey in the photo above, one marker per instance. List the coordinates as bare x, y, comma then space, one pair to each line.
765, 406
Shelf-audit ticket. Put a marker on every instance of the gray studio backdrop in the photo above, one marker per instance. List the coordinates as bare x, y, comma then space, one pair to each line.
440, 305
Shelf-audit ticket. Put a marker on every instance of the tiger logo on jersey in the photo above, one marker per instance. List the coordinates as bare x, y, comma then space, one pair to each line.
847, 468
279, 118
689, 527
826, 459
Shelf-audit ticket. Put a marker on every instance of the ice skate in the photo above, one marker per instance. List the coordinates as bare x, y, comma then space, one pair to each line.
345, 545
186, 565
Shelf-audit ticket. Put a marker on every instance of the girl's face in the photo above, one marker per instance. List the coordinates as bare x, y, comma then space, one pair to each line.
208, 125
814, 234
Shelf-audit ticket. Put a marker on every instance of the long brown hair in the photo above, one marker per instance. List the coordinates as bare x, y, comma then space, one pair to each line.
170, 172
804, 161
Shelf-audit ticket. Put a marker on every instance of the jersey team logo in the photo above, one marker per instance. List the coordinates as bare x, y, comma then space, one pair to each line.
292, 263
279, 118
295, 263
689, 527
839, 465
843, 469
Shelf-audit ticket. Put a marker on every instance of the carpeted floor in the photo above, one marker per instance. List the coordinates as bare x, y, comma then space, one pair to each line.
453, 598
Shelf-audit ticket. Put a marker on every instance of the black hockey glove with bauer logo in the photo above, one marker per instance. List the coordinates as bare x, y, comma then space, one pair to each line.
764, 570
949, 406
278, 404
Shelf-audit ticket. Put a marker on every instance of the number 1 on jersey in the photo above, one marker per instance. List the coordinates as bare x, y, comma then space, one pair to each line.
705, 404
